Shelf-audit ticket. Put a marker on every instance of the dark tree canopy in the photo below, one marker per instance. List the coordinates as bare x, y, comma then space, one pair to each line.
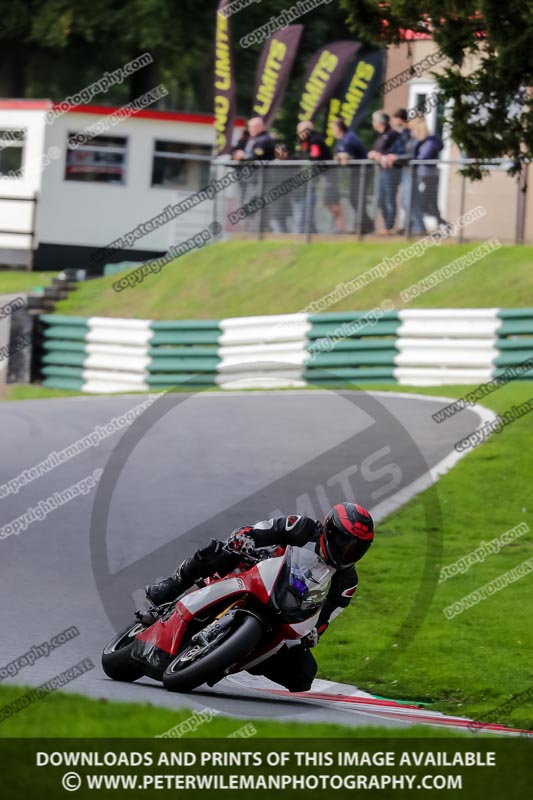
492, 112
53, 48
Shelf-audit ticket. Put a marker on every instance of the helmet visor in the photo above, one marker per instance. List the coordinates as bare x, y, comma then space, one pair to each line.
344, 549
346, 552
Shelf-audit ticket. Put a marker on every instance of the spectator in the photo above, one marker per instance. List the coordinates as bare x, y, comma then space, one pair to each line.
241, 145
402, 151
428, 148
281, 208
350, 147
242, 141
314, 148
388, 179
260, 146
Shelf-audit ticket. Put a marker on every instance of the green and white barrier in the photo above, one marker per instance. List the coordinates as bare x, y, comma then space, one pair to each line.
411, 347
462, 346
358, 346
266, 352
102, 354
515, 341
446, 346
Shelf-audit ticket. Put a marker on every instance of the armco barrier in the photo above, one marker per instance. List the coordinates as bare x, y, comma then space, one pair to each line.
446, 346
515, 341
411, 347
102, 354
267, 351
352, 346
183, 352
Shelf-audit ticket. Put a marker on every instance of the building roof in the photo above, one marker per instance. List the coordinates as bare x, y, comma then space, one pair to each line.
102, 111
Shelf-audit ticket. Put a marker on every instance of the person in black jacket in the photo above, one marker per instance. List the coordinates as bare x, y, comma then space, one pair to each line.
350, 147
259, 148
312, 147
341, 540
389, 179
242, 141
428, 148
400, 154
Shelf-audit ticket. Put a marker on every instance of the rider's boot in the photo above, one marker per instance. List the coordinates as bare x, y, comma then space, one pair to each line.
167, 590
204, 562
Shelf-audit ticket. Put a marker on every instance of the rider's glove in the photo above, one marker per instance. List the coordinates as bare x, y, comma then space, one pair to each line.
310, 639
240, 542
209, 551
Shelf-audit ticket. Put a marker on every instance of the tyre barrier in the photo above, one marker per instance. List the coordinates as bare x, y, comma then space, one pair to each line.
416, 347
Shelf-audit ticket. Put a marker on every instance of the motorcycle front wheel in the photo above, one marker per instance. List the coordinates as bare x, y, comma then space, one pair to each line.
198, 664
116, 658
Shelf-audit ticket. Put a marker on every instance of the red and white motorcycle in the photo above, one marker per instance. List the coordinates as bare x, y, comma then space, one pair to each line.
228, 625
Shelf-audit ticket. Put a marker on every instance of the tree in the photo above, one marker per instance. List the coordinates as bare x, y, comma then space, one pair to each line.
491, 113
54, 48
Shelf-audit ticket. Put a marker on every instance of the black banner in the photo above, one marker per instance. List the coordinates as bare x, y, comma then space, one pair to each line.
357, 89
324, 71
224, 83
273, 71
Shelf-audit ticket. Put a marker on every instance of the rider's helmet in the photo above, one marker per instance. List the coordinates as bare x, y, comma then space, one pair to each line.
347, 533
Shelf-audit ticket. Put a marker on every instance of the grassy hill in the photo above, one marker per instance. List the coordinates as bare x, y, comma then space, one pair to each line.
246, 278
12, 281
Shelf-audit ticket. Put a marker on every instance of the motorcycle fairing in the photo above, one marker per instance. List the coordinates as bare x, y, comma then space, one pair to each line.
284, 632
167, 634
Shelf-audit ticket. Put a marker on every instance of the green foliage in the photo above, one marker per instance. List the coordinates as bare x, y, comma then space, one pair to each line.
492, 112
53, 48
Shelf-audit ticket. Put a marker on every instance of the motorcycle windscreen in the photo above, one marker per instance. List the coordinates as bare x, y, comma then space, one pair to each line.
307, 586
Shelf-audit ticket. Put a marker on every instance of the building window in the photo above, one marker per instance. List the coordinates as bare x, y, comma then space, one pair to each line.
11, 151
426, 98
421, 100
440, 117
101, 160
177, 165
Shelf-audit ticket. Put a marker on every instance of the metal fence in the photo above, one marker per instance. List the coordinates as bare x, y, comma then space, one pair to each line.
307, 199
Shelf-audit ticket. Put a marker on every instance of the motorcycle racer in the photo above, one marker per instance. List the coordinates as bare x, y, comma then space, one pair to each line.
341, 540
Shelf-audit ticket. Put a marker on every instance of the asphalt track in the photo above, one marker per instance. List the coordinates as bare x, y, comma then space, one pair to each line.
194, 467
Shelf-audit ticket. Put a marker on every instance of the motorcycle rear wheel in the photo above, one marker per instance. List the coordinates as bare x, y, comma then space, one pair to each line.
184, 674
116, 658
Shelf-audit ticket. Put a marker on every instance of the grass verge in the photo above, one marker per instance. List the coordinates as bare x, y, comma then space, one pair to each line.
247, 278
12, 281
70, 715
19, 391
